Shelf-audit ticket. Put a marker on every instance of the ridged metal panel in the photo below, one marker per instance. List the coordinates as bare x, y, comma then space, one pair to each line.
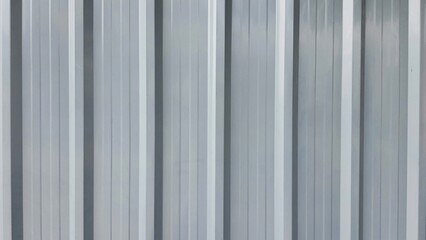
192, 117
52, 117
212, 119
384, 120
123, 116
252, 120
318, 119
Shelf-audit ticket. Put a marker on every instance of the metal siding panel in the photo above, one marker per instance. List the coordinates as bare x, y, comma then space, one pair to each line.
372, 120
138, 157
324, 103
403, 92
97, 115
306, 120
239, 120
335, 168
236, 122
390, 122
259, 119
357, 121
102, 121
190, 119
123, 68
252, 121
384, 134
47, 160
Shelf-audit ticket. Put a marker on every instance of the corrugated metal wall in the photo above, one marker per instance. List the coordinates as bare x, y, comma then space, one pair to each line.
384, 100
212, 119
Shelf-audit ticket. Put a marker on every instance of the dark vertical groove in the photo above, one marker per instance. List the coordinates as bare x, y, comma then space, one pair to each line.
16, 118
88, 119
227, 124
361, 116
295, 117
158, 179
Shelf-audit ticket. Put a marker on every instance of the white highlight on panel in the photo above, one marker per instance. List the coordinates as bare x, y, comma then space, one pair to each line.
346, 118
143, 166
413, 119
279, 121
72, 118
211, 121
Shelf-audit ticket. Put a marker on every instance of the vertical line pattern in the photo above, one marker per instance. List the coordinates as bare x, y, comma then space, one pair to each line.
211, 119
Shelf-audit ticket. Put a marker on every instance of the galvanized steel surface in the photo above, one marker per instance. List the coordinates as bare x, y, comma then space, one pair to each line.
212, 119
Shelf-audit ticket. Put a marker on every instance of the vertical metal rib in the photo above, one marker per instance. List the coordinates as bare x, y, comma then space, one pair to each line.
212, 83
142, 116
5, 124
143, 231
76, 140
347, 125
413, 121
283, 159
52, 84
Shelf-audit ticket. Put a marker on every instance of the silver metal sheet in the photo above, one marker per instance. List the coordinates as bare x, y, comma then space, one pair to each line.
212, 119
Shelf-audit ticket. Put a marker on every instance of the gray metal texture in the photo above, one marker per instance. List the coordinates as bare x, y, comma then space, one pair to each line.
213, 119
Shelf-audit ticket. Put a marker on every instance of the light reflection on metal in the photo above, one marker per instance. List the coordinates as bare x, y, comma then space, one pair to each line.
210, 119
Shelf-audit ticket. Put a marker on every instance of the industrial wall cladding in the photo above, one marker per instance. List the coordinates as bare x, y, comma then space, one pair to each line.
213, 120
